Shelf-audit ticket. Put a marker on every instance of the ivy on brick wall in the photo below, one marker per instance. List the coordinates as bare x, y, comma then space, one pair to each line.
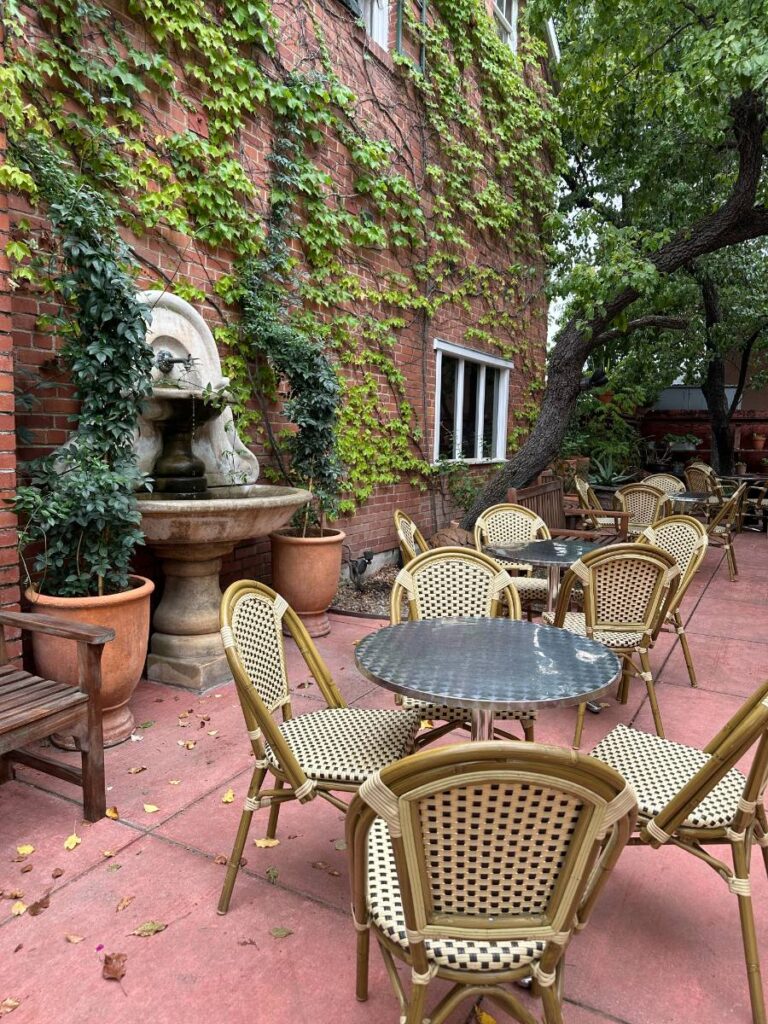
158, 127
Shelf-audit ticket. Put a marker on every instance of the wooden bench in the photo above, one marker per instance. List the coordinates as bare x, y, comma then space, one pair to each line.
547, 500
32, 708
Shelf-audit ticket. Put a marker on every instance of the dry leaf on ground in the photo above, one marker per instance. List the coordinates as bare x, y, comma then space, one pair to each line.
39, 905
57, 872
126, 901
136, 769
107, 853
74, 939
114, 966
272, 875
482, 1017
151, 808
187, 744
174, 782
26, 868
8, 1006
280, 933
220, 858
266, 844
25, 849
72, 841
113, 813
149, 928
228, 797
18, 909
339, 844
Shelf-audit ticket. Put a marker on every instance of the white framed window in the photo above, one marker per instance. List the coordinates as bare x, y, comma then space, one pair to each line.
471, 403
376, 21
505, 13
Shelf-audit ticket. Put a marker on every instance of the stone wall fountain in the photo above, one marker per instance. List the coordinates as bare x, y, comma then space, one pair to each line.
205, 498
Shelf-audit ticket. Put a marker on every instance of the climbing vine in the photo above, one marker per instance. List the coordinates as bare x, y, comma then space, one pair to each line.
162, 122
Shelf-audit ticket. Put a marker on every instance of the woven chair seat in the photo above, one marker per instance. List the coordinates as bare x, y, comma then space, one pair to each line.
657, 769
347, 744
530, 588
443, 713
386, 909
575, 622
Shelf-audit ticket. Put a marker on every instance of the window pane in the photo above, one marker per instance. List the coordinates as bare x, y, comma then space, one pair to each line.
447, 405
469, 412
491, 412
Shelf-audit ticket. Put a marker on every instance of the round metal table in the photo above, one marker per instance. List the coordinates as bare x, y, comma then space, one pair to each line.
554, 554
487, 665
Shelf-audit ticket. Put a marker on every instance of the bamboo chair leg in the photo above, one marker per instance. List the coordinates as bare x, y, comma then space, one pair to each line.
233, 865
763, 823
553, 1013
685, 648
363, 949
528, 729
626, 676
274, 812
648, 677
733, 572
749, 936
416, 1005
580, 712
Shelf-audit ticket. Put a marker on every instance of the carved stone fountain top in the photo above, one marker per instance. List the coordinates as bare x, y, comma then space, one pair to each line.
178, 328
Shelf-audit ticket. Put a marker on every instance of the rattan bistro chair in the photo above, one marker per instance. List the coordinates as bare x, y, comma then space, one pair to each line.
692, 798
411, 539
448, 583
722, 525
597, 517
333, 748
627, 591
511, 524
645, 504
685, 539
671, 485
475, 863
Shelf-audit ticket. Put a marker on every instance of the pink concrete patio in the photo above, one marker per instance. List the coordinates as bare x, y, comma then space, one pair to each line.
665, 934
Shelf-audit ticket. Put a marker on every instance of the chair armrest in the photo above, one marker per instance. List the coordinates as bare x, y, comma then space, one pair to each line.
79, 631
603, 535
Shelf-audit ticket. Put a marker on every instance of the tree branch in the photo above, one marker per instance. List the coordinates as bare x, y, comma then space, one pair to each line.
659, 323
746, 353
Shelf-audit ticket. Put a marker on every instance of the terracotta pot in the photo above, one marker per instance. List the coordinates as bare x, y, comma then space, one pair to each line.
758, 442
305, 570
123, 659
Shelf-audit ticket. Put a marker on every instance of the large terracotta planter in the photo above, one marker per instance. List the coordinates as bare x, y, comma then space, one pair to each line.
123, 660
305, 570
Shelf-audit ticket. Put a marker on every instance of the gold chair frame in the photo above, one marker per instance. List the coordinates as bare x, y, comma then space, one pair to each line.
666, 482
673, 824
601, 519
606, 585
721, 526
435, 828
410, 537
507, 523
645, 503
261, 698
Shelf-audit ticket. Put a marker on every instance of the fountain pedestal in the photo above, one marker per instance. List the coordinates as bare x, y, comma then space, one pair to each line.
191, 538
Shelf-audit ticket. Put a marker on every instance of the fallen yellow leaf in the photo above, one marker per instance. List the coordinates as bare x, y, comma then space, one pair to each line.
72, 841
108, 853
25, 849
151, 808
228, 797
8, 1005
426, 723
213, 732
113, 813
266, 844
126, 901
174, 782
18, 908
74, 939
482, 1017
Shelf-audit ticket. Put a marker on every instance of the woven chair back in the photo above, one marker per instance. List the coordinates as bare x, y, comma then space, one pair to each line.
411, 540
453, 583
496, 842
590, 502
644, 503
255, 620
728, 512
748, 727
509, 524
665, 482
627, 588
701, 478
683, 537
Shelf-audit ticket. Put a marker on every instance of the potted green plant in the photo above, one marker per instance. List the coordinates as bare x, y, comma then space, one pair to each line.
79, 523
758, 441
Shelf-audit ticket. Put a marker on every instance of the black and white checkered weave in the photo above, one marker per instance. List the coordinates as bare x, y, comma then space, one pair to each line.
347, 744
575, 622
444, 713
657, 769
386, 910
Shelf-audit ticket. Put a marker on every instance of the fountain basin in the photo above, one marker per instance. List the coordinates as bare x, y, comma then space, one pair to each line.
191, 537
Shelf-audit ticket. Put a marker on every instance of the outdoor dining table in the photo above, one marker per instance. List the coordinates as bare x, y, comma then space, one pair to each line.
487, 665
555, 555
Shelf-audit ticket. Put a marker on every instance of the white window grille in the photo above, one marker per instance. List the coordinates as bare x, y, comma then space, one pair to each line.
471, 403
376, 21
505, 13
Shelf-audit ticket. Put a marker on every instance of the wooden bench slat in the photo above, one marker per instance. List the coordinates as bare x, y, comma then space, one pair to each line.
27, 679
33, 691
44, 707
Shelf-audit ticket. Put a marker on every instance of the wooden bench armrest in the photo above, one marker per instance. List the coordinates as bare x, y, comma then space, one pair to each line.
583, 534
79, 631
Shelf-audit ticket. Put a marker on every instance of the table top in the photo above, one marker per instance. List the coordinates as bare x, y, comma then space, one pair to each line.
545, 552
694, 496
482, 663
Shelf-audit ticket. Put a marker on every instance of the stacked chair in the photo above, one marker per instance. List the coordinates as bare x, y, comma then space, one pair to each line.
506, 524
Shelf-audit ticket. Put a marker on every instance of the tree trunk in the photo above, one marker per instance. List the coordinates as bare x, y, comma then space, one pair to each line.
713, 387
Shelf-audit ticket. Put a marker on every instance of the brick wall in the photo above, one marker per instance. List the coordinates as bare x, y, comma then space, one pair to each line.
9, 571
390, 106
